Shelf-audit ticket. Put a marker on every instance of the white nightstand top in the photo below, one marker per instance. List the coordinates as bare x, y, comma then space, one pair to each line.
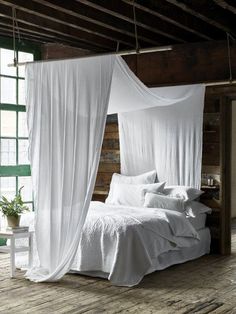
9, 234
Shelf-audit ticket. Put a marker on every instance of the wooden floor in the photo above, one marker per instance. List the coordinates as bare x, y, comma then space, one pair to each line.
207, 285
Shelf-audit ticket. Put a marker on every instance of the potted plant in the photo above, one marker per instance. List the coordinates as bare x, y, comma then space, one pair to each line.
13, 209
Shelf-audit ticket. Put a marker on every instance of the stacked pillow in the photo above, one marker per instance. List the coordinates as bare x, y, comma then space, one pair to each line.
132, 194
142, 191
179, 198
123, 187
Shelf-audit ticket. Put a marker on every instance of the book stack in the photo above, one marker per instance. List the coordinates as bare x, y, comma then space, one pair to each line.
20, 229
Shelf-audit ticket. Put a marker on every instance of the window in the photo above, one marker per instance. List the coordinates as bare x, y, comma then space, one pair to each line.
14, 163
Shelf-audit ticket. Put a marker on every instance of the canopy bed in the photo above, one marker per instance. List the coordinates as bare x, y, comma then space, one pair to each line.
151, 219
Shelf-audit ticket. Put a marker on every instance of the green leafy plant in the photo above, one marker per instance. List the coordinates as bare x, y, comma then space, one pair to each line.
14, 207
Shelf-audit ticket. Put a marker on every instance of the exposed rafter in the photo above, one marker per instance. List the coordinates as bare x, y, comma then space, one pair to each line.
93, 21
227, 5
207, 12
61, 21
102, 26
174, 16
114, 8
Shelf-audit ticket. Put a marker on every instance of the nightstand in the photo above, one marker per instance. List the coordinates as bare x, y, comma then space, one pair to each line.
13, 249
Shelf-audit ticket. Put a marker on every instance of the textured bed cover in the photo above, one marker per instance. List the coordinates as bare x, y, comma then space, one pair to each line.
125, 243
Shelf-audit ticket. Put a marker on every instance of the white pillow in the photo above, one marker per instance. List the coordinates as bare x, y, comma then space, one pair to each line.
193, 208
133, 194
145, 178
163, 201
184, 192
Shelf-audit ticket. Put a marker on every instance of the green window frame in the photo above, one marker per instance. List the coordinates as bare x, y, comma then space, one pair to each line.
17, 170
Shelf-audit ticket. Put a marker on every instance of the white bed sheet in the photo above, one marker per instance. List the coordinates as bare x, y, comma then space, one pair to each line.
198, 222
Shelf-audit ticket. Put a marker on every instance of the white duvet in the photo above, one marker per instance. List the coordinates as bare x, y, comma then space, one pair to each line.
121, 242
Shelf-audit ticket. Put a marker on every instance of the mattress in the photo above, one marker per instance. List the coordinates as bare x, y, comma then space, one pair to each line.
198, 222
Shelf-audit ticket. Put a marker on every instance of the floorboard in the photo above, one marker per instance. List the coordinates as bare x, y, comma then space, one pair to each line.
206, 285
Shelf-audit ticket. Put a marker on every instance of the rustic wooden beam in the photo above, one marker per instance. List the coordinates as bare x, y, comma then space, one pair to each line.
60, 22
209, 13
93, 21
34, 38
185, 64
226, 5
116, 9
71, 10
177, 17
45, 33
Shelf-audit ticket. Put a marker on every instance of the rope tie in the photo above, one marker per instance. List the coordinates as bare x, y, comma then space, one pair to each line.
135, 29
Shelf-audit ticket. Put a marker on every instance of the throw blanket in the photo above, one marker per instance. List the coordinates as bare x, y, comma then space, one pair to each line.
122, 242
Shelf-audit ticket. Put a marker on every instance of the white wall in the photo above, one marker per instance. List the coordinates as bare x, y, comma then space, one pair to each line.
233, 162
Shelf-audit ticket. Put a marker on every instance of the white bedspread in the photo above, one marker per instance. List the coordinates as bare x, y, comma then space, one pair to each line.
123, 241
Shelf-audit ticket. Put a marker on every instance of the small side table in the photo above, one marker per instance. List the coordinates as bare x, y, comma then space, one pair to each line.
13, 249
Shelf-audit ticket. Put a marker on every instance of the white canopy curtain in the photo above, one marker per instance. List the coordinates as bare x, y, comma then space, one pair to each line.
165, 138
67, 104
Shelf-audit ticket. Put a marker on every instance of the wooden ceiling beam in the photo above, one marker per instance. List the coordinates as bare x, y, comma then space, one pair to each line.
60, 22
208, 12
37, 31
227, 5
177, 17
117, 9
24, 35
89, 18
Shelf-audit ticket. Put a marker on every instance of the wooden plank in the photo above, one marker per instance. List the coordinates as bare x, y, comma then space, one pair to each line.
115, 26
177, 17
110, 156
210, 169
209, 13
111, 144
209, 287
160, 29
111, 127
103, 180
109, 167
185, 64
111, 135
225, 162
46, 17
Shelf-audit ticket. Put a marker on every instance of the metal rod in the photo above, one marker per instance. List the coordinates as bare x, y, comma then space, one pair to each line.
220, 83
121, 53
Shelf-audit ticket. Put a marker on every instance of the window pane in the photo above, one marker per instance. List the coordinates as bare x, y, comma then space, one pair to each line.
27, 189
22, 124
8, 152
21, 92
7, 57
8, 90
30, 206
8, 187
8, 123
23, 146
24, 57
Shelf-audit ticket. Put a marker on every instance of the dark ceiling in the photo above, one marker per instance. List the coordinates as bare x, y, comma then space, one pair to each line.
103, 25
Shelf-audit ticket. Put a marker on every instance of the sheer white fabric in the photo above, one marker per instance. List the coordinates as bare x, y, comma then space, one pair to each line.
67, 105
128, 93
165, 138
